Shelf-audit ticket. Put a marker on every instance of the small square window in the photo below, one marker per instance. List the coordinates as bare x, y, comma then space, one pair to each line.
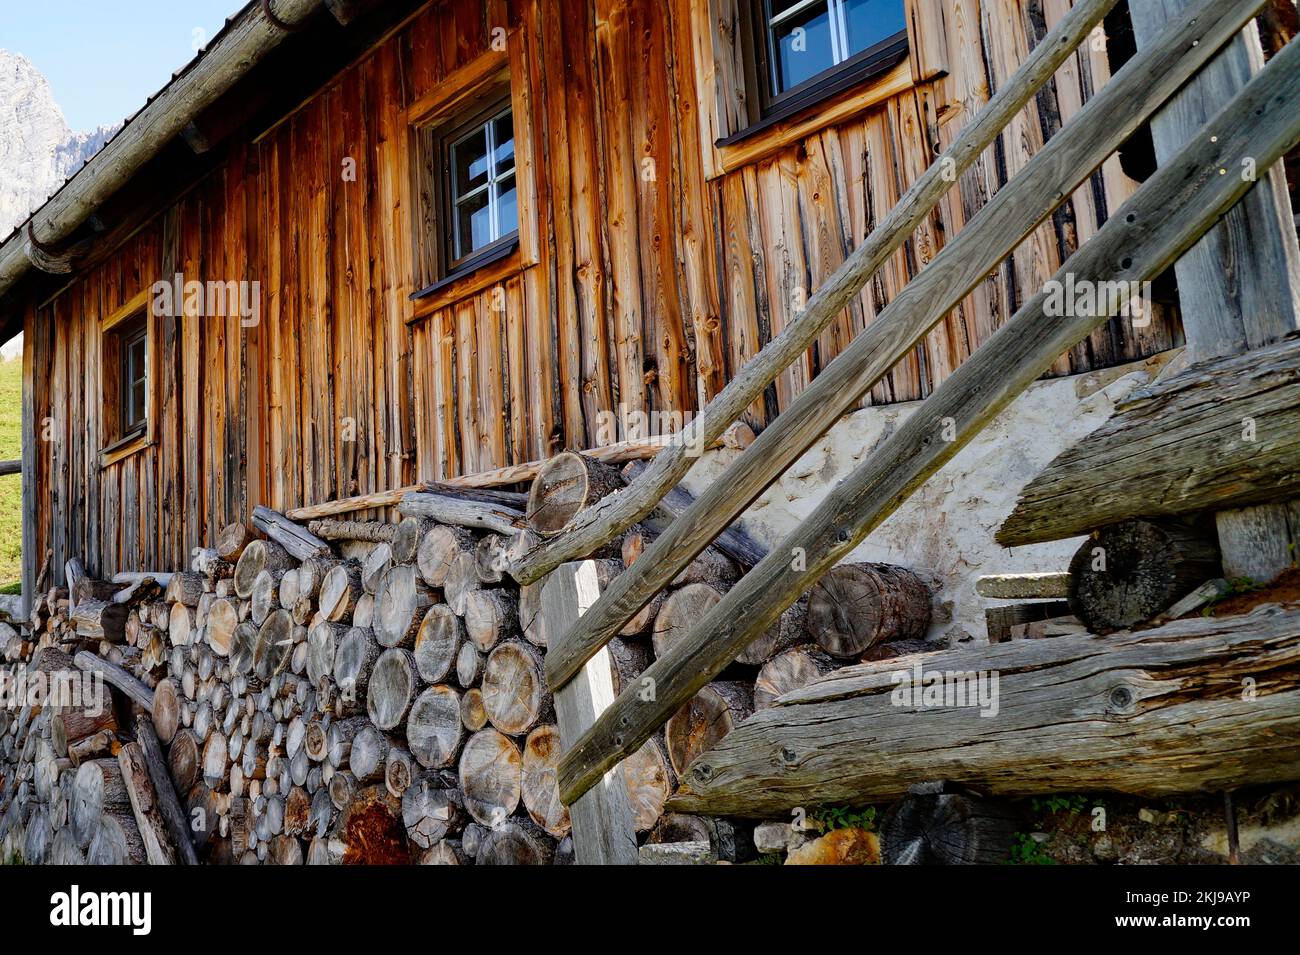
801, 43
481, 210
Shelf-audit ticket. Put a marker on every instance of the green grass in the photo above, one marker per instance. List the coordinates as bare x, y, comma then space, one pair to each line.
11, 486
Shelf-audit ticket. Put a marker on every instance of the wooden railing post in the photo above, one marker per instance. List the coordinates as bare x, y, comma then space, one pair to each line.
604, 831
1239, 288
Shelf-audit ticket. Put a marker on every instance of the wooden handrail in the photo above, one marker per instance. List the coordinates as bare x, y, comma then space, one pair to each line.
598, 525
1067, 159
1167, 215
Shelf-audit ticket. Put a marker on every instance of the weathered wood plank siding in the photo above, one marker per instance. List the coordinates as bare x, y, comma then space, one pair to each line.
652, 264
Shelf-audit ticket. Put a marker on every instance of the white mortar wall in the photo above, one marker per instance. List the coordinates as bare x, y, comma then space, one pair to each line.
944, 532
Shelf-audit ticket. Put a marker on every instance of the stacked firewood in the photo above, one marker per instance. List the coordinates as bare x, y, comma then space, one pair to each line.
363, 691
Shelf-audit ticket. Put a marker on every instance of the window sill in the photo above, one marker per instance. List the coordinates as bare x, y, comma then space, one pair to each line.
124, 448
838, 99
475, 275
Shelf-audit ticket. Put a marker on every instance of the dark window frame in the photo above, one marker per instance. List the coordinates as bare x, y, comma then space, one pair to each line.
449, 266
771, 107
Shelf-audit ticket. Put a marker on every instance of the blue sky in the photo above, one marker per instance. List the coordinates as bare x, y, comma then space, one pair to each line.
104, 58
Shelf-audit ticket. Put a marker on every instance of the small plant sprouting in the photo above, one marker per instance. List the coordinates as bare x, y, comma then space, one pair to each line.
829, 818
1025, 851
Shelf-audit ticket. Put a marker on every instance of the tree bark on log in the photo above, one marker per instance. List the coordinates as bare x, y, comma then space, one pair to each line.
301, 543
1086, 714
1127, 573
856, 606
148, 817
462, 513
100, 620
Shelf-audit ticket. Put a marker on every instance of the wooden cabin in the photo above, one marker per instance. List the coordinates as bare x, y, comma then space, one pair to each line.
399, 241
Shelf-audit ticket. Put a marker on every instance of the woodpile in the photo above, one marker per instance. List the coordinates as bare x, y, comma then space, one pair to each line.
357, 691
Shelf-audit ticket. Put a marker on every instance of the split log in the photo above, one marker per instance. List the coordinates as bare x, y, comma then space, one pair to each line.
472, 714
490, 559
366, 758
650, 781
363, 612
399, 771
374, 568
94, 746
231, 541
1039, 586
462, 513
517, 842
144, 804
322, 641
294, 538
115, 676
97, 787
705, 721
216, 760
437, 643
258, 556
166, 710
342, 790
311, 575
340, 736
1086, 714
185, 588
680, 612
855, 606
461, 581
434, 731
181, 625
438, 550
539, 784
490, 770
223, 620
947, 828
371, 532
530, 617
100, 620
566, 484
393, 684
265, 595
354, 660
491, 616
790, 670
1128, 573
117, 840
515, 695
87, 712
399, 607
339, 590
1000, 621
275, 639
431, 811
407, 537
183, 760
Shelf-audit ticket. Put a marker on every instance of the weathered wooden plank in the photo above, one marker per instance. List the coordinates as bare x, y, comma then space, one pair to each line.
1173, 209
604, 829
1087, 714
1223, 433
1052, 174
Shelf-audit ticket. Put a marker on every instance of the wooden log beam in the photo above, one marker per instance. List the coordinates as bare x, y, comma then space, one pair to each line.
169, 804
618, 453
144, 804
462, 513
1152, 713
296, 539
1055, 171
1166, 216
1224, 433
115, 676
601, 524
1239, 287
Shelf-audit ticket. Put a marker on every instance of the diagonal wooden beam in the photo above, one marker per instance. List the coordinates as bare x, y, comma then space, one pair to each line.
598, 525
1068, 158
1166, 216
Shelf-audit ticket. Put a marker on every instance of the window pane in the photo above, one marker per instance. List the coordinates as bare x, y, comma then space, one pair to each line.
136, 411
803, 45
469, 163
135, 359
503, 134
507, 207
474, 224
870, 21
